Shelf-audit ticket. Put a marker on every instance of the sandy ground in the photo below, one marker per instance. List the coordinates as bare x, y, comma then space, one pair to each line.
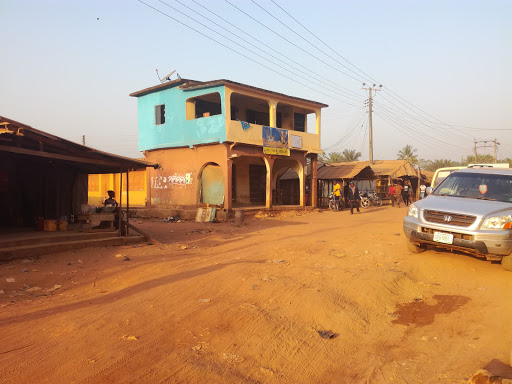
219, 304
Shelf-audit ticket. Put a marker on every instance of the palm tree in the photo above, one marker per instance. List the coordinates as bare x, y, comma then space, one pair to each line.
408, 153
351, 155
333, 157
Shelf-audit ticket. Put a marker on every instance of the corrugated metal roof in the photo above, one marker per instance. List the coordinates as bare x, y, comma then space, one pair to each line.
345, 170
51, 146
380, 168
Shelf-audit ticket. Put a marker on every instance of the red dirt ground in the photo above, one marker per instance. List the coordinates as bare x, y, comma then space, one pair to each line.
219, 304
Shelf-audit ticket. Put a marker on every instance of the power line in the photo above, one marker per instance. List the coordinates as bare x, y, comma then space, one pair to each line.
328, 83
241, 54
292, 43
323, 42
314, 46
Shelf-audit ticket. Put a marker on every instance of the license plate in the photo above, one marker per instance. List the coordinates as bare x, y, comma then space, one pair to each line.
441, 237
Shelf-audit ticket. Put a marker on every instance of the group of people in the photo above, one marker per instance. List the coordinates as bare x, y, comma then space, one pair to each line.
352, 196
399, 193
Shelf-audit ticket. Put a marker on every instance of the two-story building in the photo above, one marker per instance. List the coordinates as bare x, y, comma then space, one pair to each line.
225, 143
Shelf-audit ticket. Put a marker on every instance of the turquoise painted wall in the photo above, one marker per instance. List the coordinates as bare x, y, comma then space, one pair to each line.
177, 130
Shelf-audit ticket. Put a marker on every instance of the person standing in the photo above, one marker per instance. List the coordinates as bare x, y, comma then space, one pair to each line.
405, 193
397, 195
337, 193
423, 188
391, 194
353, 197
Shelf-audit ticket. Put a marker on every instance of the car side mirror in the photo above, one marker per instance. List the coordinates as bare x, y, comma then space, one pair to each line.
429, 190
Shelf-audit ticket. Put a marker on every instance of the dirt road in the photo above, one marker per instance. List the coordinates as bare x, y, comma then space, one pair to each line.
219, 304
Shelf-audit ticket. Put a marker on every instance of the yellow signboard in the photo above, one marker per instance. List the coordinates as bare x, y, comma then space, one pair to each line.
275, 141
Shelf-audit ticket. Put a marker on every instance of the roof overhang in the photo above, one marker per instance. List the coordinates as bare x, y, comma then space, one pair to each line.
21, 140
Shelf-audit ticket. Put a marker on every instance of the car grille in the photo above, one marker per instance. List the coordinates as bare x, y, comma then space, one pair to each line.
449, 218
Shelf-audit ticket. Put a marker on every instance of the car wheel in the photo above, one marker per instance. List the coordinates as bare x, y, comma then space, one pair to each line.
506, 263
413, 248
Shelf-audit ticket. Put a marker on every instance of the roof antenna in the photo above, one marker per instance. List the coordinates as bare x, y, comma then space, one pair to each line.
158, 75
167, 77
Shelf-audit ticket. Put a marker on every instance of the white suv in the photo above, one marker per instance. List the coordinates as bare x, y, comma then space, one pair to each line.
470, 211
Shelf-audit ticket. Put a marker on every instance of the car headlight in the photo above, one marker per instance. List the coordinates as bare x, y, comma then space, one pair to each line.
498, 222
413, 211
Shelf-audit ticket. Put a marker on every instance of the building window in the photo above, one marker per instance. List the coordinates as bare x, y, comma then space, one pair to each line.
299, 122
160, 114
204, 106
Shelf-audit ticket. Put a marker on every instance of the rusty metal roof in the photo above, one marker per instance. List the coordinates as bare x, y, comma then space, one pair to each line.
350, 170
20, 139
379, 168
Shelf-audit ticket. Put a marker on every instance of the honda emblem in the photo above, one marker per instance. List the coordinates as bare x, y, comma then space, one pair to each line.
447, 218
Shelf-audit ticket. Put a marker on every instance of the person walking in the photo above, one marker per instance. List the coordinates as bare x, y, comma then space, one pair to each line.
423, 188
353, 197
397, 195
391, 194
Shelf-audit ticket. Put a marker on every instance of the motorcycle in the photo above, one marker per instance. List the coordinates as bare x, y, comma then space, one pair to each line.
368, 199
335, 204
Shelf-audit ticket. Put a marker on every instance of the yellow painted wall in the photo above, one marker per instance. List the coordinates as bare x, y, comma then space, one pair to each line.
99, 184
253, 135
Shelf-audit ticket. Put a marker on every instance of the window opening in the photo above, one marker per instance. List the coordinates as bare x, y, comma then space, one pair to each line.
160, 114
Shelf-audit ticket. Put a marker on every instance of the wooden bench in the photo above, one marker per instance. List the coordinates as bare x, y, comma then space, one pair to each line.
86, 219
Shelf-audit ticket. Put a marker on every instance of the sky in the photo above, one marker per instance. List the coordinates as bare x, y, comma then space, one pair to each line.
68, 66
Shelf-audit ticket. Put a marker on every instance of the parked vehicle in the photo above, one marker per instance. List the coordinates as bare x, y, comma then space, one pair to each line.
336, 204
441, 173
469, 211
369, 198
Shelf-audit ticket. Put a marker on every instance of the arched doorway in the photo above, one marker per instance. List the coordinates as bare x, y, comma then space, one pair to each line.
212, 185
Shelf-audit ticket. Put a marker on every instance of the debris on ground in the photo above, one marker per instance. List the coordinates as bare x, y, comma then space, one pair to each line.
232, 358
55, 287
173, 219
10, 280
204, 300
129, 338
327, 334
485, 377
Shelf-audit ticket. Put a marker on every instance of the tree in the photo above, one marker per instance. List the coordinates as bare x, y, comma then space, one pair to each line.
408, 153
333, 157
351, 155
481, 159
432, 165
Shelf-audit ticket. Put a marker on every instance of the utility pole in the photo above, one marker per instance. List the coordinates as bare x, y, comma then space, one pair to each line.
495, 150
495, 142
83, 139
370, 102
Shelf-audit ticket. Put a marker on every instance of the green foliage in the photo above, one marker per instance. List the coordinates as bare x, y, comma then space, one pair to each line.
351, 155
333, 157
336, 157
408, 153
432, 165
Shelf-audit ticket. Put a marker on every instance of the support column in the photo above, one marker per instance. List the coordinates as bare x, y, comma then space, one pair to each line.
272, 107
269, 163
228, 187
314, 181
302, 186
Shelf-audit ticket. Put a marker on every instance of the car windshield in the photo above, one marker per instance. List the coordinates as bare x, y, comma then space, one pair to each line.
477, 186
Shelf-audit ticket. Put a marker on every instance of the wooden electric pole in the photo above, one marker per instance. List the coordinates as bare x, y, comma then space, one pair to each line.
370, 102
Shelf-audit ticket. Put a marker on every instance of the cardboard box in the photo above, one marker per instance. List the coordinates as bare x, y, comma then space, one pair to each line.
50, 225
62, 225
